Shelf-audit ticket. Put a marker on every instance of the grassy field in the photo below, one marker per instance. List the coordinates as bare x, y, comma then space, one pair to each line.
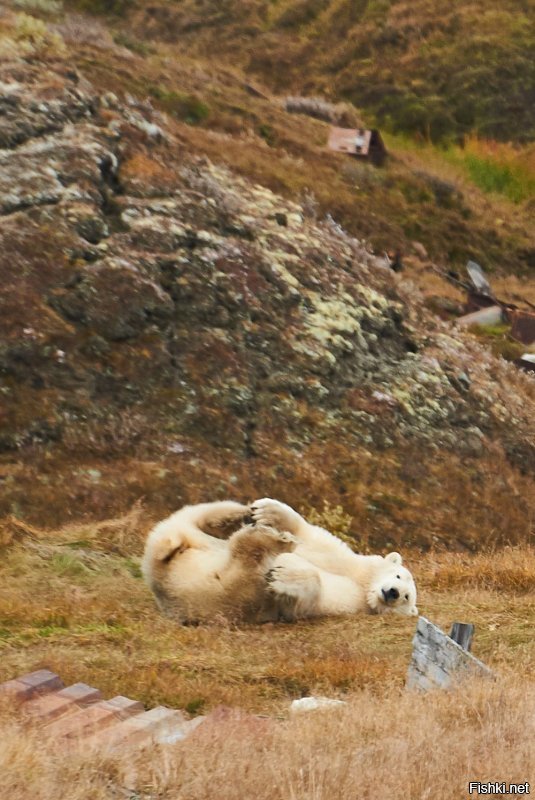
434, 71
392, 744
73, 601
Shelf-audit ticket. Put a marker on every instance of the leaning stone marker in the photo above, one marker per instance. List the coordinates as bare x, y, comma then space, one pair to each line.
438, 661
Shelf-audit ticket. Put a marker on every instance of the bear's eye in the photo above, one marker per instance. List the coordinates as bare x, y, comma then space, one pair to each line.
406, 597
398, 577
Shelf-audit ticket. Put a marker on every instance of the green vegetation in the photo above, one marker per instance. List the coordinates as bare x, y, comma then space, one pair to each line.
131, 43
30, 37
47, 7
500, 341
513, 177
511, 181
187, 107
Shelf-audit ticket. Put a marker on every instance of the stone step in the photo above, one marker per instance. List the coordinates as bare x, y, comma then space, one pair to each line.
160, 725
94, 718
57, 704
32, 684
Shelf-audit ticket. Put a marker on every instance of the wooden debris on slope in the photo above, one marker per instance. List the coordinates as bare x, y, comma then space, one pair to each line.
438, 661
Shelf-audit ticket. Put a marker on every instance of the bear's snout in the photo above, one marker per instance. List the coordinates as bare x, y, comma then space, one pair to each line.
391, 594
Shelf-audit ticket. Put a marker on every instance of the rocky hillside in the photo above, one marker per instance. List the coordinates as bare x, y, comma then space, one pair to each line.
171, 331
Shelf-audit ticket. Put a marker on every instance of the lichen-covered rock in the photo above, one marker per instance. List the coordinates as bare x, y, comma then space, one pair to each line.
113, 299
35, 102
161, 307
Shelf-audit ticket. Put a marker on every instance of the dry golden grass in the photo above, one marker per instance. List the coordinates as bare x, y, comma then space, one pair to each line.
73, 601
509, 570
396, 743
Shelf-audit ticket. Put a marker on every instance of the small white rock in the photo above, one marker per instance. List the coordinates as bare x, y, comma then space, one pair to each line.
314, 704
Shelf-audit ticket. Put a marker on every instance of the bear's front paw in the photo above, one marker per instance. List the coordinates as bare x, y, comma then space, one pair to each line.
276, 514
290, 582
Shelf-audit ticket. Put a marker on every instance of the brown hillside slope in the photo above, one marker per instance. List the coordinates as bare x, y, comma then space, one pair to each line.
439, 70
447, 202
175, 332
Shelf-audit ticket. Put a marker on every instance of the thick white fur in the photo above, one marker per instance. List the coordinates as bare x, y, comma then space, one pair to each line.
196, 576
323, 576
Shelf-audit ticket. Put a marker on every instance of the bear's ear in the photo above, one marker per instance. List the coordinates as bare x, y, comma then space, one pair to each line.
394, 558
414, 611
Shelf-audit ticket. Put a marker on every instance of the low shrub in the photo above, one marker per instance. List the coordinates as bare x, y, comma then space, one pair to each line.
187, 107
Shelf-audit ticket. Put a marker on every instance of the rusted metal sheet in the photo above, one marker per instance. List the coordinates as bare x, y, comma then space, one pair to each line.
357, 142
522, 325
255, 91
350, 140
492, 315
480, 294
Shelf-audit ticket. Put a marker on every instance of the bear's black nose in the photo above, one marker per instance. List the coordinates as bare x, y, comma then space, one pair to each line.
391, 594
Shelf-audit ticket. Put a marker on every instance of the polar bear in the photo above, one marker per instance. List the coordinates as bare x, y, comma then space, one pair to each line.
198, 576
278, 568
323, 576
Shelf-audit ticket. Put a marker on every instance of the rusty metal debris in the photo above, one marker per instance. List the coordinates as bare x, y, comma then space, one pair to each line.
358, 142
479, 279
480, 295
253, 90
522, 325
484, 308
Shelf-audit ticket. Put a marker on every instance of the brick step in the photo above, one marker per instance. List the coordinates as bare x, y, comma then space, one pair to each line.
67, 701
79, 717
94, 717
160, 725
32, 684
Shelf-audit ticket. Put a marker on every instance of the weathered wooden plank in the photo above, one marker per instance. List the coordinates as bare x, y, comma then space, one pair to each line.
438, 661
462, 633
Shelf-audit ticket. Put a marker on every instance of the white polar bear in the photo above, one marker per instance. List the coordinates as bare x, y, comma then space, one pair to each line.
254, 576
323, 576
197, 576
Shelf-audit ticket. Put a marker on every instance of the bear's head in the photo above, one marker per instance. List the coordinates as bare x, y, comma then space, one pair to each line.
392, 588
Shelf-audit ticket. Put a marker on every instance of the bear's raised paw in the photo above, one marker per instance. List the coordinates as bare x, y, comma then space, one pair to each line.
276, 514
